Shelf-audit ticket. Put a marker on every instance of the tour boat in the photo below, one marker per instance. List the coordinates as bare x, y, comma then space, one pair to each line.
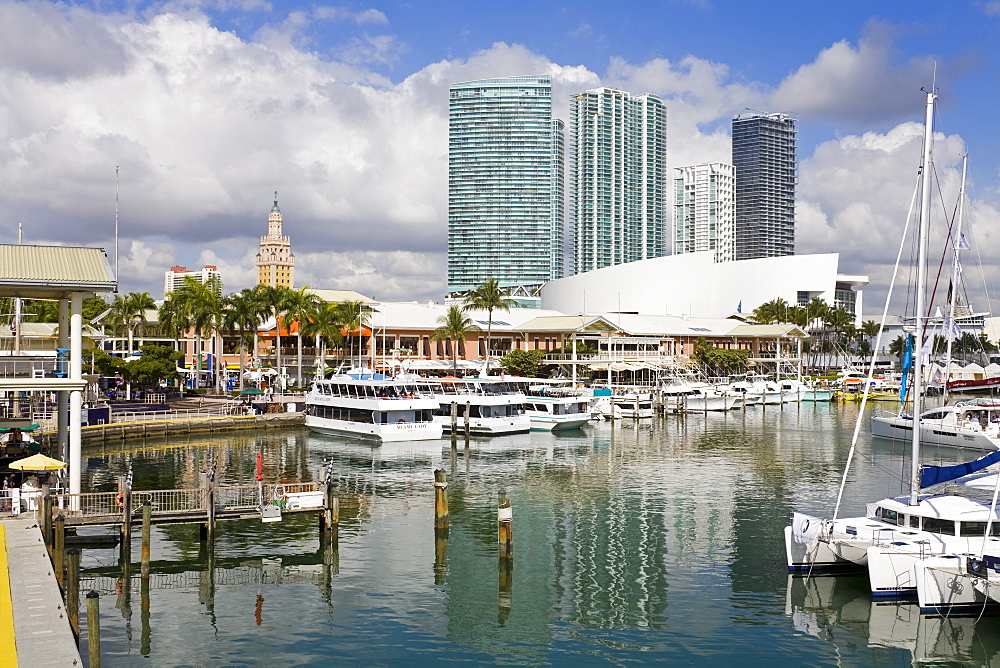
494, 406
362, 404
556, 406
680, 395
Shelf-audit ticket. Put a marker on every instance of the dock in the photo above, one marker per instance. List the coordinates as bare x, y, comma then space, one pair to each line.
34, 627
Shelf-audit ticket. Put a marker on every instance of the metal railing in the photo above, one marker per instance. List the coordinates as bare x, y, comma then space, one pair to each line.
170, 500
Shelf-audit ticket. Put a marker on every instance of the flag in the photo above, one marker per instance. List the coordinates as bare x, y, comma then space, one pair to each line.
951, 329
962, 243
739, 307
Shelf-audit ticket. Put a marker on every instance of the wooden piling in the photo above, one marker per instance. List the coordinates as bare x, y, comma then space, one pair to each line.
329, 519
73, 589
47, 523
442, 522
59, 550
94, 629
454, 418
147, 519
468, 411
505, 526
208, 494
125, 498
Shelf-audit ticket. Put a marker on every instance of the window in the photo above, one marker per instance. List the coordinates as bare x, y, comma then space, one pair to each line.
937, 525
890, 516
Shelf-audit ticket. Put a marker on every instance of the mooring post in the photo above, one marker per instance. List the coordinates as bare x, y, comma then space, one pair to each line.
441, 520
59, 551
335, 522
73, 589
124, 499
208, 495
454, 419
47, 522
94, 628
505, 526
468, 411
147, 519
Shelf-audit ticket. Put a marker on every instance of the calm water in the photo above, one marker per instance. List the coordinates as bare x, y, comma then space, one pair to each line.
633, 543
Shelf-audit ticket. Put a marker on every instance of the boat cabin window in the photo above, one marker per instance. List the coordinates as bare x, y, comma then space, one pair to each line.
936, 415
914, 521
890, 516
979, 528
937, 525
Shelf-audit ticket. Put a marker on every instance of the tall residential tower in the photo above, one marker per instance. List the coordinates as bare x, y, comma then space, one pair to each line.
275, 262
618, 178
704, 212
505, 183
765, 161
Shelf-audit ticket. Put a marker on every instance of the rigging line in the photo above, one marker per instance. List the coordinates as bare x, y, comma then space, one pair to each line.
871, 363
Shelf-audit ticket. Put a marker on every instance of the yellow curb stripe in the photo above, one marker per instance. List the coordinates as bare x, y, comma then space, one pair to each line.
8, 647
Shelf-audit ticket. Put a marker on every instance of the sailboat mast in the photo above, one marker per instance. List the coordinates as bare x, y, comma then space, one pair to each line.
953, 292
922, 234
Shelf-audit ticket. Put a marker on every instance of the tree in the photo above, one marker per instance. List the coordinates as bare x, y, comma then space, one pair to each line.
127, 311
523, 362
454, 326
488, 297
353, 316
298, 304
199, 306
719, 361
157, 363
773, 311
243, 312
326, 323
275, 297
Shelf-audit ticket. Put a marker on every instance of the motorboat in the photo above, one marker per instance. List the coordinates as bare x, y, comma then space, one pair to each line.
493, 405
556, 406
967, 424
368, 405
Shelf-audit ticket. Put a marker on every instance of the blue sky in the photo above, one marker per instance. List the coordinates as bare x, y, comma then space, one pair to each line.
208, 107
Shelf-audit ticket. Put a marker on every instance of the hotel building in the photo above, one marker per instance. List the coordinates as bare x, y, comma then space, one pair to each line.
704, 210
174, 278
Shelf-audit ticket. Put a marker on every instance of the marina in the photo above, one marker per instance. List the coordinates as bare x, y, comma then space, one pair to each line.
641, 540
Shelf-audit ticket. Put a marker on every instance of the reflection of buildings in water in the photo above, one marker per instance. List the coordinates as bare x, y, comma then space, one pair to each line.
840, 610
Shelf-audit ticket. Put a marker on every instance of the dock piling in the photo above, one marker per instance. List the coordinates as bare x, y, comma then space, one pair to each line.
147, 517
94, 629
59, 550
442, 522
505, 526
468, 411
47, 522
73, 589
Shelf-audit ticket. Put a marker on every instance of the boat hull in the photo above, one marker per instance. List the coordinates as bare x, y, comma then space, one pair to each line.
932, 434
561, 423
383, 433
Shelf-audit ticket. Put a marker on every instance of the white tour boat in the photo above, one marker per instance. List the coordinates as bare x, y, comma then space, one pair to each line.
494, 406
556, 405
367, 405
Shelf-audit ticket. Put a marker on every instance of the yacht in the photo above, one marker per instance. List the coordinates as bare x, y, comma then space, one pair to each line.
556, 406
967, 424
367, 405
494, 406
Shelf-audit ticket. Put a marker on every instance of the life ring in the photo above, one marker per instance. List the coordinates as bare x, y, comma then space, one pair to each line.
120, 586
120, 500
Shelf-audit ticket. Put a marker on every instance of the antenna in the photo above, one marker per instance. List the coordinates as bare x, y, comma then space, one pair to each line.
19, 233
116, 228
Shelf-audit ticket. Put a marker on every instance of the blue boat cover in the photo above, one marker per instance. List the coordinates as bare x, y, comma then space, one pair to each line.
935, 475
907, 366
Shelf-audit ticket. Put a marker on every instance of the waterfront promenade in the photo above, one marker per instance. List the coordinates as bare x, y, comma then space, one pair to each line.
34, 627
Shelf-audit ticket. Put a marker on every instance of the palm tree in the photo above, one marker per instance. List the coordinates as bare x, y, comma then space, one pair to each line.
128, 311
200, 307
454, 326
243, 311
354, 316
488, 297
869, 330
274, 296
325, 322
298, 305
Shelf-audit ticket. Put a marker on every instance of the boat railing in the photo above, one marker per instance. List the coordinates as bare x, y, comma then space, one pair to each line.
28, 366
170, 499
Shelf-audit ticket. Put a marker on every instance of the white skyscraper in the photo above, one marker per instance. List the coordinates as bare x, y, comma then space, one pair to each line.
618, 178
704, 210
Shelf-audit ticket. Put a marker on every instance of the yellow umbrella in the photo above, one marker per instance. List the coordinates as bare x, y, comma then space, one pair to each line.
38, 462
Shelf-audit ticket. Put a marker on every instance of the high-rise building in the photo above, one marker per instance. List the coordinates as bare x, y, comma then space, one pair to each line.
765, 160
174, 278
704, 210
505, 183
275, 262
618, 178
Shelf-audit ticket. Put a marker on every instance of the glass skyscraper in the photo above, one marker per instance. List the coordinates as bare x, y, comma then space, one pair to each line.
505, 183
765, 160
618, 178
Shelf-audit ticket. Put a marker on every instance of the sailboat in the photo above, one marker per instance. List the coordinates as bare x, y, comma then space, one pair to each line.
896, 533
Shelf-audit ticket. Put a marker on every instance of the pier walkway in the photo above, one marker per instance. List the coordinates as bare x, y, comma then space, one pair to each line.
34, 628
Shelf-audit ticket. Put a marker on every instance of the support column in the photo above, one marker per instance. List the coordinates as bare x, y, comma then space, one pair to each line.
76, 396
62, 396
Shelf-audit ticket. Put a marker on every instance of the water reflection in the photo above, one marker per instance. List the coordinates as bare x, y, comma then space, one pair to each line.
634, 541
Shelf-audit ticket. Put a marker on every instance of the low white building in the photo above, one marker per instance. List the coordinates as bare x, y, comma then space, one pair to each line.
693, 284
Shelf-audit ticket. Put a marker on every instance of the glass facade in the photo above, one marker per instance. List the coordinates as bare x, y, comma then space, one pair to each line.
704, 210
618, 182
505, 183
764, 155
